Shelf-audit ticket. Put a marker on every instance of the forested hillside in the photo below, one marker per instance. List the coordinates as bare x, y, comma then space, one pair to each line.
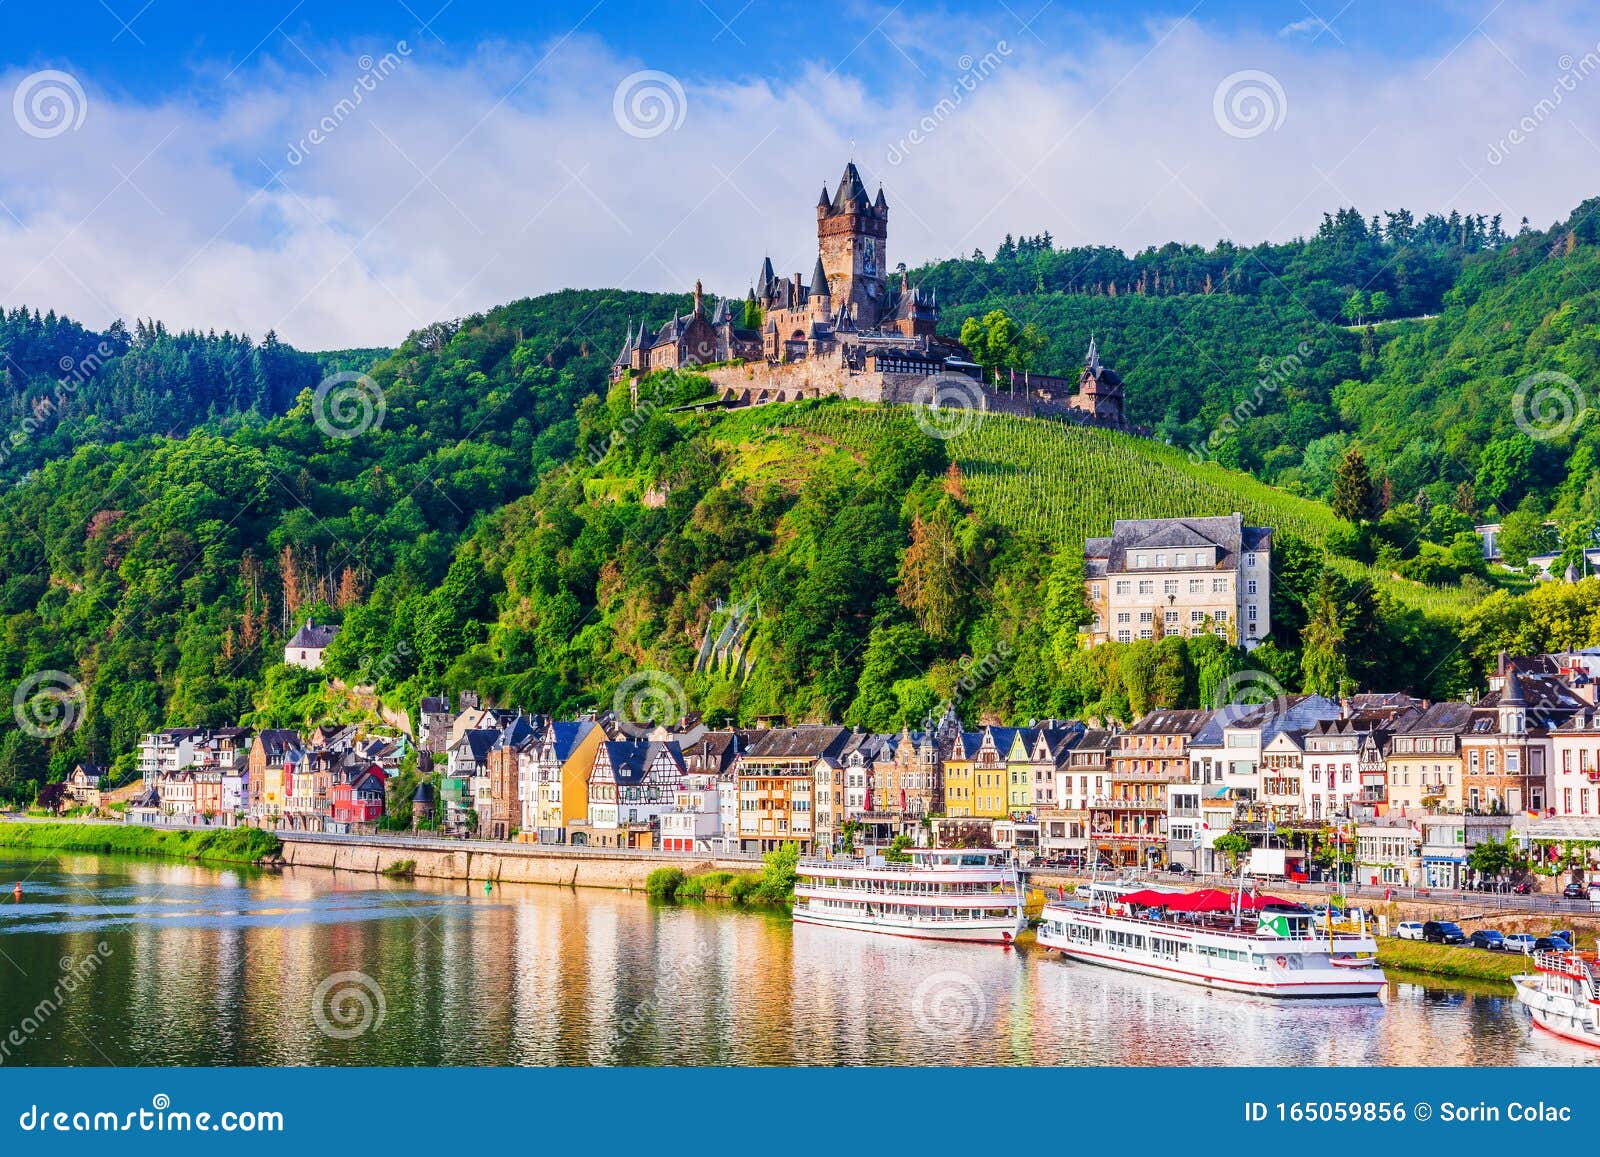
503, 520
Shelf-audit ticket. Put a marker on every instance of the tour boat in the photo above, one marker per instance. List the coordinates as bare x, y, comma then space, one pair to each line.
1236, 941
1562, 995
971, 894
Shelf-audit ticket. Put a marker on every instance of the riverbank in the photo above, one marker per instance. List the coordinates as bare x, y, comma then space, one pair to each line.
1458, 963
494, 862
218, 845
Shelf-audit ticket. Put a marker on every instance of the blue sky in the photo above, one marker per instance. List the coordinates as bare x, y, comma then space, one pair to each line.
151, 47
346, 172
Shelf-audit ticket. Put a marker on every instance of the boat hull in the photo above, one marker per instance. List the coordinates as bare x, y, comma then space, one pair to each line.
974, 932
1321, 989
1558, 1015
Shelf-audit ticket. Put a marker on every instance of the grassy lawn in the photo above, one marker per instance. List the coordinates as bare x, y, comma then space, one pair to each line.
233, 845
1445, 960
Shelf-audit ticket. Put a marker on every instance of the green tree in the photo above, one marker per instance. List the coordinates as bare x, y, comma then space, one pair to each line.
1353, 496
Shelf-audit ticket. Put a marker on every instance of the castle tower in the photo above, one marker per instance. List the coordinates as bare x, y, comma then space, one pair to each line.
821, 298
852, 236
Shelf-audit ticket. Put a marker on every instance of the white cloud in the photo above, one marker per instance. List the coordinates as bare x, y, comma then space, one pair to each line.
457, 184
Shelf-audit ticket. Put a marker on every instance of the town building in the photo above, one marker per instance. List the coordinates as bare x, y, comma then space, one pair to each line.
1180, 576
563, 759
1424, 760
1389, 851
694, 821
83, 785
632, 783
306, 647
776, 777
1128, 828
274, 756
1574, 778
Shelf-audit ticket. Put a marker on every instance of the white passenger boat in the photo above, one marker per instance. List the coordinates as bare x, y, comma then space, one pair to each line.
971, 894
1229, 940
1562, 995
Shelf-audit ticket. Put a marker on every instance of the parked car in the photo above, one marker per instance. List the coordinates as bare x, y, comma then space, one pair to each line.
1322, 913
1519, 942
1488, 938
1575, 892
1443, 932
1551, 944
1565, 934
1178, 870
1409, 930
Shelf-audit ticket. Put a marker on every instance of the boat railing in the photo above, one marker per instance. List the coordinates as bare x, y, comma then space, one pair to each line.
839, 864
1216, 929
1576, 965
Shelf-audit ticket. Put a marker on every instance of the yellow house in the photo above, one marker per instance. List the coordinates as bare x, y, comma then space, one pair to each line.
960, 780
1424, 761
563, 760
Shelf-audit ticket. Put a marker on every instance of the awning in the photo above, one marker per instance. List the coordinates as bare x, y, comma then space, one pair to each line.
1564, 828
1205, 900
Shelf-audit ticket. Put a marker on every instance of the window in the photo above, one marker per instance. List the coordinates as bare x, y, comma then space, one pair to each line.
1124, 636
1161, 560
1147, 633
1250, 612
1197, 616
1512, 762
1250, 587
1123, 586
1219, 586
1147, 586
1472, 761
1172, 617
1180, 559
1220, 616
1142, 561
1094, 591
1249, 560
1124, 616
1197, 586
1146, 616
1169, 587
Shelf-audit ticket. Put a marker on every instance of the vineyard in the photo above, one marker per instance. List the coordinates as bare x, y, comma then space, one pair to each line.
1044, 479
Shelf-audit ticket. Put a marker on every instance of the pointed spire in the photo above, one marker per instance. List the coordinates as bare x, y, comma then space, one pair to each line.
699, 305
822, 201
1091, 360
819, 279
880, 204
627, 345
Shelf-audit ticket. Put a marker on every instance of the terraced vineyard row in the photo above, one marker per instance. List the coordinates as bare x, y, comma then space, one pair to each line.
1064, 483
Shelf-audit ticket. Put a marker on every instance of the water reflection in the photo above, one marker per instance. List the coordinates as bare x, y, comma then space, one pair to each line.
222, 967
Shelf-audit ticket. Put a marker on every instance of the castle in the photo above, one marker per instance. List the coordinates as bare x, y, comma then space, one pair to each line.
853, 331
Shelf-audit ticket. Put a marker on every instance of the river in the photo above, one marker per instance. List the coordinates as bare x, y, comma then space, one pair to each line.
113, 960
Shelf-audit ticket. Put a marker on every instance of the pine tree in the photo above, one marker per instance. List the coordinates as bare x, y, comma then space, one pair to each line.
1353, 497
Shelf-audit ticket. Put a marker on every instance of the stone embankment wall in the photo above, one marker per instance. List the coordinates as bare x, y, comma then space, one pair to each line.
514, 864
757, 383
